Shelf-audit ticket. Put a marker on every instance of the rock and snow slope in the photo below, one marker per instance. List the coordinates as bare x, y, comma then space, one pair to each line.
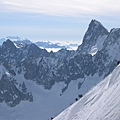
53, 80
101, 103
46, 103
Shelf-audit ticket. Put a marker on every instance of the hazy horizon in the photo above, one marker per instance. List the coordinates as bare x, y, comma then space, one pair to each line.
55, 20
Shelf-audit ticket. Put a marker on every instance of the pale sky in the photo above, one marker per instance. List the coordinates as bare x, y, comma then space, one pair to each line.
60, 20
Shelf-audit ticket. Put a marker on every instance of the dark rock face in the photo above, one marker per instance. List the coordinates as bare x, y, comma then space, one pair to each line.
46, 68
9, 46
35, 51
12, 95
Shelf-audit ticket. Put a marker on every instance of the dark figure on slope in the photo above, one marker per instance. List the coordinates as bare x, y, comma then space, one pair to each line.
80, 95
118, 62
76, 99
51, 118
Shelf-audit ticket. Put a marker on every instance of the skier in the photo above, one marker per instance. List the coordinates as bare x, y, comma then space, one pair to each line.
76, 99
118, 62
80, 95
51, 118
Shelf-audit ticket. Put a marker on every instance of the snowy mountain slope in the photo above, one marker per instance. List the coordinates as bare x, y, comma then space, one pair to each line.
102, 102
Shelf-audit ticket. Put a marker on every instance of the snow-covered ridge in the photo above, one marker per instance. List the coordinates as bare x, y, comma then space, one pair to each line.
101, 103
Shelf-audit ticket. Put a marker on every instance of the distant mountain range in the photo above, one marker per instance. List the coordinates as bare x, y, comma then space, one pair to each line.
49, 46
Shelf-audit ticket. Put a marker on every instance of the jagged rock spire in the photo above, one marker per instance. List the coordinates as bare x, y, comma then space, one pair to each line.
94, 31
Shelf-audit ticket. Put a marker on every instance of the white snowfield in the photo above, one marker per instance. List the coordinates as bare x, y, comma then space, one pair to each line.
102, 102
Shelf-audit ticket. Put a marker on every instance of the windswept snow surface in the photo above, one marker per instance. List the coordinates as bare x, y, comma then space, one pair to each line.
102, 102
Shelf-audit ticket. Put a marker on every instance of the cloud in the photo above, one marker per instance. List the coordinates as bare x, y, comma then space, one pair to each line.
63, 7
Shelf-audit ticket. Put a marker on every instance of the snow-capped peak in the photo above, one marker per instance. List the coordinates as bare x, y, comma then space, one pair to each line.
94, 24
16, 38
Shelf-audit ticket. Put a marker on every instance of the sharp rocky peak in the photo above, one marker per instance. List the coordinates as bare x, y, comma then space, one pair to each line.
95, 28
115, 30
113, 37
95, 23
93, 34
8, 44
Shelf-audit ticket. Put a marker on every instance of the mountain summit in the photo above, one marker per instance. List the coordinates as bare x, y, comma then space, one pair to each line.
96, 33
